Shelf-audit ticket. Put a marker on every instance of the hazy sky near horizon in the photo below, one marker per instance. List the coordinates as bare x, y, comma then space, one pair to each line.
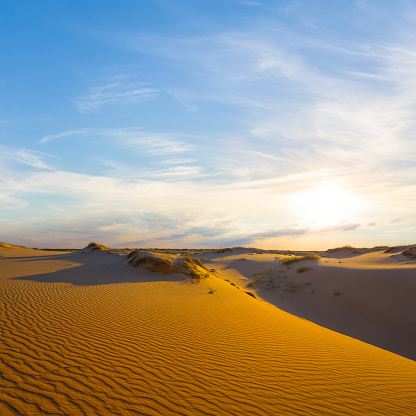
207, 123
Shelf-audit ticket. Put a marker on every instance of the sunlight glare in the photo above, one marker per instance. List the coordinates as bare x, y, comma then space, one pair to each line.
324, 207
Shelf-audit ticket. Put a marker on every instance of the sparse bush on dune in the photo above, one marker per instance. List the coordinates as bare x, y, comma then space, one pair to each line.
290, 260
410, 252
165, 263
193, 267
265, 276
270, 279
5, 245
224, 250
311, 256
95, 246
294, 259
150, 261
345, 247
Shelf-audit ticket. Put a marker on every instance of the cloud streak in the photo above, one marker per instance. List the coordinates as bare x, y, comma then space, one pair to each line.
118, 90
133, 138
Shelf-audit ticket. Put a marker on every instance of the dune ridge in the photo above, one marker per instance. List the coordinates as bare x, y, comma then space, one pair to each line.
367, 294
88, 334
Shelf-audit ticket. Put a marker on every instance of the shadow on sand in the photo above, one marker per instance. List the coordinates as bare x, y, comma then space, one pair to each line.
95, 269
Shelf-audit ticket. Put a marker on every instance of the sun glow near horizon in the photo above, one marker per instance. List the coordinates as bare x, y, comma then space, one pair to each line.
324, 207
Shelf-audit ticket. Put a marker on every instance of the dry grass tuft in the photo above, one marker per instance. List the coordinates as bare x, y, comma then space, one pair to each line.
95, 246
5, 246
294, 259
166, 263
410, 252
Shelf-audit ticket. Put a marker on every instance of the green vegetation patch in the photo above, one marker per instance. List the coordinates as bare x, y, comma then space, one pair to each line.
294, 259
290, 260
303, 269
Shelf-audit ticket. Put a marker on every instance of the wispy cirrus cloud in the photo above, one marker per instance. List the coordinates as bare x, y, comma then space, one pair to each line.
31, 158
117, 90
155, 143
79, 132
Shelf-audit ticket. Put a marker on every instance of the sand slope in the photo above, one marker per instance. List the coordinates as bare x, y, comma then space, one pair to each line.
85, 334
367, 294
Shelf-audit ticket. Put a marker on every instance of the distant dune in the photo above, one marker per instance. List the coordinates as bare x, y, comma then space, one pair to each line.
104, 332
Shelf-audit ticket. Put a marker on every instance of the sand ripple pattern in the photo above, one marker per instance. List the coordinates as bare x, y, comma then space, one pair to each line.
170, 348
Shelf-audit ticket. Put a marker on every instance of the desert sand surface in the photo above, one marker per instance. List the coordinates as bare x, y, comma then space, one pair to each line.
87, 333
368, 294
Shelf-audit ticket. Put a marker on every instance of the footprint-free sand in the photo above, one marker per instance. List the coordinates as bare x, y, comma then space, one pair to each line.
87, 334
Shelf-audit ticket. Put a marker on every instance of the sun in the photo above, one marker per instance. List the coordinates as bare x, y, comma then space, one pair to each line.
326, 207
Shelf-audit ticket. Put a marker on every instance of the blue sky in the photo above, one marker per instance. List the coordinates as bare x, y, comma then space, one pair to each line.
207, 123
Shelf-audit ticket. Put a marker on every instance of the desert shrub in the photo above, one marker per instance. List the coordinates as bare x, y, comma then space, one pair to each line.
94, 246
410, 252
194, 267
224, 250
294, 259
303, 269
311, 256
290, 260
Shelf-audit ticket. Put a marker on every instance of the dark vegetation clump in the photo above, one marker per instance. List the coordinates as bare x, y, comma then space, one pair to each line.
294, 259
165, 263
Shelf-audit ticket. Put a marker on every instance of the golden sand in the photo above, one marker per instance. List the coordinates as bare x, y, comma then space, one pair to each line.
87, 334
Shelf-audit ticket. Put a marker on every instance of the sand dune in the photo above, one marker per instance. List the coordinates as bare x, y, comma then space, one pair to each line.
88, 334
368, 294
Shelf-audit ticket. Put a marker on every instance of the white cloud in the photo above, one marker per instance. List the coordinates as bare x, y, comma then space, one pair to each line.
133, 138
118, 90
79, 132
33, 159
176, 161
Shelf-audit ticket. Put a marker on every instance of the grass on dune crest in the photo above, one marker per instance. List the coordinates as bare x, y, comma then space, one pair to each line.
93, 245
166, 263
294, 259
4, 245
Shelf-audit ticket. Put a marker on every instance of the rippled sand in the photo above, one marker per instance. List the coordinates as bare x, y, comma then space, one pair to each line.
87, 334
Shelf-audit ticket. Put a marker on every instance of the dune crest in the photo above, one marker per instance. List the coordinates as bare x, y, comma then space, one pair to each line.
168, 263
5, 246
91, 247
